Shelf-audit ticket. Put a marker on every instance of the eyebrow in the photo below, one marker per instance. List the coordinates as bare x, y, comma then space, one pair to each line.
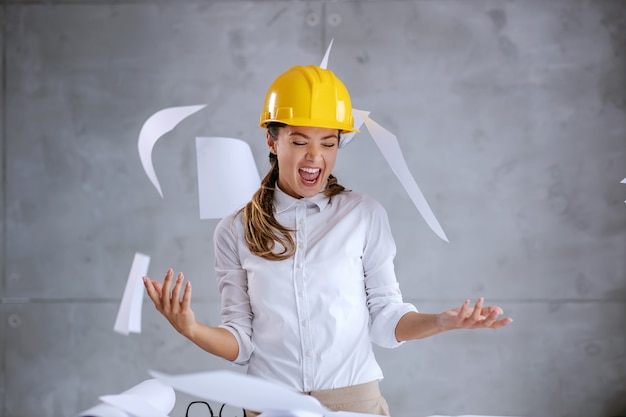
306, 137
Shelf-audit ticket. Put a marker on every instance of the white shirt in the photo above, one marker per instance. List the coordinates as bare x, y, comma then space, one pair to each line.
308, 321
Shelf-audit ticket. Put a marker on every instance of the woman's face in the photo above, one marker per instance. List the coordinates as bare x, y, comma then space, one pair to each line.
306, 157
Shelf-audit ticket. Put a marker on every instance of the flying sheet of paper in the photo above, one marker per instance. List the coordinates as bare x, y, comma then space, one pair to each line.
103, 410
290, 413
227, 175
324, 63
358, 122
239, 390
390, 148
149, 398
156, 126
350, 414
129, 314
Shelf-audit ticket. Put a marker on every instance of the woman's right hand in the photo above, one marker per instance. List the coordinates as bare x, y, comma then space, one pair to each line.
178, 312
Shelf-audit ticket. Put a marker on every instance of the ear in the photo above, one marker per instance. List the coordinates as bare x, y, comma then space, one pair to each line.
270, 143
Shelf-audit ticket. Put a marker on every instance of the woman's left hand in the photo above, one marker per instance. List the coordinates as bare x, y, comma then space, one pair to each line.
466, 317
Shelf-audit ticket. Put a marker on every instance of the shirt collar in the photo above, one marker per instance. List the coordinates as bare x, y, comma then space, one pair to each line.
283, 201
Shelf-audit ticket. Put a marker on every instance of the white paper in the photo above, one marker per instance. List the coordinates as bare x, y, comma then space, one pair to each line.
324, 63
227, 175
103, 410
351, 414
156, 126
390, 148
149, 398
358, 122
245, 391
288, 413
129, 314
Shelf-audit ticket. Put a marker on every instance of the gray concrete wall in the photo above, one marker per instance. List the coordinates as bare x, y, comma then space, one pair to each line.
512, 118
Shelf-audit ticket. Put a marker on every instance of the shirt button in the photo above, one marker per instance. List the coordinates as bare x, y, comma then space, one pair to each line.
307, 353
300, 294
299, 265
303, 322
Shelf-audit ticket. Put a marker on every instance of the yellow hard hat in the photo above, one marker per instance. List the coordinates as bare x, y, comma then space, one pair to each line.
308, 96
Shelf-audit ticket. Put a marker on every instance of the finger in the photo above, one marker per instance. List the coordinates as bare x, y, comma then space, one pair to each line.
175, 303
502, 322
148, 284
152, 292
464, 311
165, 290
490, 320
478, 307
158, 287
489, 309
186, 304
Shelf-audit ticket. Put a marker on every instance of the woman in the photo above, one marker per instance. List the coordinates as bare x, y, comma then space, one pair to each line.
305, 269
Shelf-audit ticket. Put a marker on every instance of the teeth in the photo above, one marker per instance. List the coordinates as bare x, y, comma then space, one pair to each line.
311, 170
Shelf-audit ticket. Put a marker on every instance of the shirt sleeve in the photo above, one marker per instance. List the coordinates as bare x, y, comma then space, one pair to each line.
232, 283
384, 299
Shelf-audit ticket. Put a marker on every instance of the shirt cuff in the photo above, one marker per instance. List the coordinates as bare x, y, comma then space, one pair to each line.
245, 349
383, 330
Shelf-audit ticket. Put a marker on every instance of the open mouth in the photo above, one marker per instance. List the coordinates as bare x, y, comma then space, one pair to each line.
310, 175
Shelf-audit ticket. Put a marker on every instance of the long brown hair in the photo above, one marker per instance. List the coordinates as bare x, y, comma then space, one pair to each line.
261, 228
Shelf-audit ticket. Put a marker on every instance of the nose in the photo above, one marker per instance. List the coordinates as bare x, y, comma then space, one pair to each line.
313, 151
